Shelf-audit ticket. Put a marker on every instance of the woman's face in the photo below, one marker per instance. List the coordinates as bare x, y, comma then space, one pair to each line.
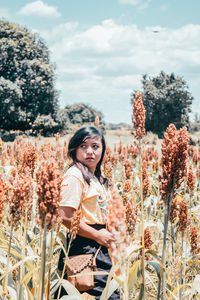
89, 152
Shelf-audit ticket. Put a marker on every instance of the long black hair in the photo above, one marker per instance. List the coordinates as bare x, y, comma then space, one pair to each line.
76, 140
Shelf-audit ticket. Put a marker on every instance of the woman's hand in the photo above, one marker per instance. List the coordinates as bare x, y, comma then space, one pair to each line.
104, 238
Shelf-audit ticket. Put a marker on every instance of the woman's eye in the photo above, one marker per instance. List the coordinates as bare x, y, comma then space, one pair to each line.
95, 146
83, 146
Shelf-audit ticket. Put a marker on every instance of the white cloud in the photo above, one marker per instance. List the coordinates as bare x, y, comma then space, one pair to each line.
39, 8
131, 2
141, 4
103, 64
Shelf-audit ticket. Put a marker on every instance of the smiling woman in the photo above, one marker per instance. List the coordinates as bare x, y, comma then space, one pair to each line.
85, 189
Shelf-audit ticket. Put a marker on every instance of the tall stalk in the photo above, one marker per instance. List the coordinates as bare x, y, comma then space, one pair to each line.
43, 265
181, 268
50, 263
37, 288
166, 219
23, 256
172, 240
7, 264
139, 124
142, 220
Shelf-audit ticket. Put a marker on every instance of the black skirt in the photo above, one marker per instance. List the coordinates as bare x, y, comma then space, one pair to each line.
83, 245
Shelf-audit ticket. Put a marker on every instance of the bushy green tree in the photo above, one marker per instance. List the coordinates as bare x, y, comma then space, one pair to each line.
26, 79
78, 113
82, 113
167, 100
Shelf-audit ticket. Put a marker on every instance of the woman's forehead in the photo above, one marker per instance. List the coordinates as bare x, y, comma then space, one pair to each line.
94, 139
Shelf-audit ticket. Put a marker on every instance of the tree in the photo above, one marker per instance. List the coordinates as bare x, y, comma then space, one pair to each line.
167, 100
77, 114
82, 113
26, 79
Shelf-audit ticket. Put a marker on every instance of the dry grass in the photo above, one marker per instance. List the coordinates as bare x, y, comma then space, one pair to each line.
112, 137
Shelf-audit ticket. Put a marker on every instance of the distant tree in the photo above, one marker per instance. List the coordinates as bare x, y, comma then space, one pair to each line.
167, 100
78, 114
81, 113
26, 80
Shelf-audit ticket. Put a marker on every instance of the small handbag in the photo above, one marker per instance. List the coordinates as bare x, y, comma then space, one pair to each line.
81, 265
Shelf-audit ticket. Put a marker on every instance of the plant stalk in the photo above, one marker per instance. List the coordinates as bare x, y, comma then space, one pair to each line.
181, 268
172, 240
7, 264
163, 272
23, 256
43, 260
50, 263
142, 220
43, 265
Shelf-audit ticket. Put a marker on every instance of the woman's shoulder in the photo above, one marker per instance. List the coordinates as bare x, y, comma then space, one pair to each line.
75, 172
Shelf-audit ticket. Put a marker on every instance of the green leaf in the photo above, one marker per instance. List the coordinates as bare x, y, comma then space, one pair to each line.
154, 254
71, 297
107, 288
135, 275
29, 275
155, 265
69, 288
17, 265
112, 287
54, 286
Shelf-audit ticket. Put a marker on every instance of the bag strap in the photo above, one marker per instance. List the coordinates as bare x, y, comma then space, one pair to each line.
95, 256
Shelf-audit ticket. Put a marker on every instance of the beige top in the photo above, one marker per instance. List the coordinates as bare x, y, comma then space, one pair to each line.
92, 199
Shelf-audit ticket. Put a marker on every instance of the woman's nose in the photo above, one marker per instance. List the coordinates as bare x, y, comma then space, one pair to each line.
89, 150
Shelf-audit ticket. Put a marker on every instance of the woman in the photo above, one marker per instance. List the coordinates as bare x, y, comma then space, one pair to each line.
85, 188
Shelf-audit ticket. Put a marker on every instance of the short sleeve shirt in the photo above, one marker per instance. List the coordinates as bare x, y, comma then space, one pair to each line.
91, 198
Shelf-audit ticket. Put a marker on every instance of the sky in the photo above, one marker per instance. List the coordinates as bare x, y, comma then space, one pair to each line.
102, 48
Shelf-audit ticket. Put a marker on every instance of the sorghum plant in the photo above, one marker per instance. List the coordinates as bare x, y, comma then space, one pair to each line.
139, 116
190, 180
3, 196
193, 239
116, 224
139, 124
183, 220
21, 197
147, 242
48, 192
28, 159
174, 168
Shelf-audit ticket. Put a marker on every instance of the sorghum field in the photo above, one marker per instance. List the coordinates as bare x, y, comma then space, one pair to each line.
154, 213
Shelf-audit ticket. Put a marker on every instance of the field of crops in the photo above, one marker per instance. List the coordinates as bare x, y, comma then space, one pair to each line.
154, 213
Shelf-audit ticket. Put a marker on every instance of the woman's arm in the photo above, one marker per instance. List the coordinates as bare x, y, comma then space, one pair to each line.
102, 236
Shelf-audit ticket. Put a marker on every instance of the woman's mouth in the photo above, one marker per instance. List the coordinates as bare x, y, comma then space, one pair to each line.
90, 158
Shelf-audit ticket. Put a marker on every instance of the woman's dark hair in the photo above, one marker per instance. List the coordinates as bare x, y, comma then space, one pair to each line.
77, 139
